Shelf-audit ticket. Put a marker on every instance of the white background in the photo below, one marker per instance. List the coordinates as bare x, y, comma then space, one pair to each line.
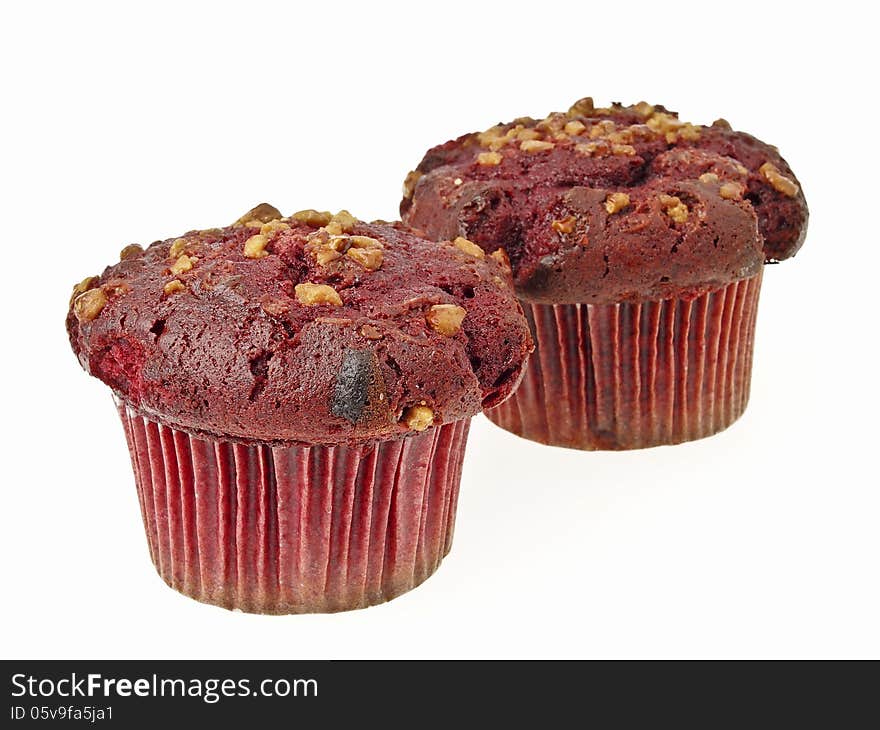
126, 122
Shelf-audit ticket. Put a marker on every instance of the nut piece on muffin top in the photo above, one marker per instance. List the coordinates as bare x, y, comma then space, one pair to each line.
612, 204
313, 328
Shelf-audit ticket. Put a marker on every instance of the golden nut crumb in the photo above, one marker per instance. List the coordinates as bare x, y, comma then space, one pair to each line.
535, 145
446, 318
566, 225
500, 255
731, 191
674, 208
369, 258
344, 221
574, 128
262, 213
89, 304
418, 418
689, 132
708, 177
602, 129
364, 242
721, 123
582, 107
616, 202
525, 135
183, 264
587, 148
489, 159
177, 248
462, 244
309, 294
90, 282
622, 149
173, 287
313, 217
131, 251
780, 182
369, 332
255, 246
643, 109
116, 287
409, 183
267, 229
325, 255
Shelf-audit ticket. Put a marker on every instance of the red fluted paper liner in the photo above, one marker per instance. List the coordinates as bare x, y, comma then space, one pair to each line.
295, 529
633, 375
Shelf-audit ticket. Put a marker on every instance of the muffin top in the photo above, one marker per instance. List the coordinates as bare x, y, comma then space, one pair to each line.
313, 328
612, 204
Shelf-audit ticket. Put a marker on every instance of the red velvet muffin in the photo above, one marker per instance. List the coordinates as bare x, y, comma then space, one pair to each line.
296, 394
637, 243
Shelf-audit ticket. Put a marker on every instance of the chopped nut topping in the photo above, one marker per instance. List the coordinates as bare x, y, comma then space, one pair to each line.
721, 123
574, 128
462, 244
742, 169
116, 287
489, 158
643, 109
731, 191
369, 258
274, 306
340, 223
255, 246
313, 217
602, 129
409, 183
309, 294
616, 202
262, 213
708, 177
446, 318
582, 107
525, 135
370, 333
90, 282
178, 247
566, 225
173, 287
418, 418
500, 255
622, 149
674, 208
267, 229
130, 251
689, 132
183, 264
325, 255
457, 181
780, 182
587, 148
89, 304
364, 242
535, 145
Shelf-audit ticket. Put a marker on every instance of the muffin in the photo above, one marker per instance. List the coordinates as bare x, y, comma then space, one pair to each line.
296, 394
637, 243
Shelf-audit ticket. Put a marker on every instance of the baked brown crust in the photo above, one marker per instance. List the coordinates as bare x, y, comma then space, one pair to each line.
311, 328
616, 204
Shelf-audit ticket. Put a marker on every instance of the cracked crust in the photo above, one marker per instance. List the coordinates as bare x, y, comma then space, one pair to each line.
279, 342
609, 205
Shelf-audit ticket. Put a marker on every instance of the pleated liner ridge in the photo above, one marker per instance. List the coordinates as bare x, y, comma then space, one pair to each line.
633, 375
295, 529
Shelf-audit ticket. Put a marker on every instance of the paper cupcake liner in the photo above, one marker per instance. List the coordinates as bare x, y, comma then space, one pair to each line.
629, 376
295, 529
